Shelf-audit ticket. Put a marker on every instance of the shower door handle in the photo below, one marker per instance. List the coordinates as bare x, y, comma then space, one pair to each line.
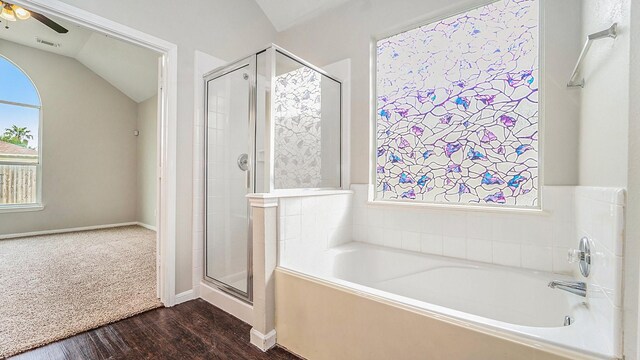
243, 164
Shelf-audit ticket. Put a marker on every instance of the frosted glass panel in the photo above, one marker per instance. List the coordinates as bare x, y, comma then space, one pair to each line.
306, 119
457, 109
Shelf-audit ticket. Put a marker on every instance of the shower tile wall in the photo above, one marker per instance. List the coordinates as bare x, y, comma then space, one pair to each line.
529, 240
226, 207
203, 64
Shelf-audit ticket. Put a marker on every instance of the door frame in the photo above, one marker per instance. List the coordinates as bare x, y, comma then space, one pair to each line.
167, 127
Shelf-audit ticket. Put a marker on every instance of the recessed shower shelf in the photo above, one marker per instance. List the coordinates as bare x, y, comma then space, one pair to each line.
611, 32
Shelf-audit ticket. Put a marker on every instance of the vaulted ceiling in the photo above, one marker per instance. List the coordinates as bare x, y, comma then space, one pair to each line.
284, 14
131, 69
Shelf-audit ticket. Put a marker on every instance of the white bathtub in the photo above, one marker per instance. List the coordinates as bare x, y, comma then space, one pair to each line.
509, 302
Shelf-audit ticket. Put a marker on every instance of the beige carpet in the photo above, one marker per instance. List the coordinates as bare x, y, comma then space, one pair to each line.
54, 286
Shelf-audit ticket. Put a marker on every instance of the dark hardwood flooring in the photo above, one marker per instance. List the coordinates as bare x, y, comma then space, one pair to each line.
192, 330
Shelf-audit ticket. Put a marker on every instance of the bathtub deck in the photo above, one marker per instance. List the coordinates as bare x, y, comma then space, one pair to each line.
193, 330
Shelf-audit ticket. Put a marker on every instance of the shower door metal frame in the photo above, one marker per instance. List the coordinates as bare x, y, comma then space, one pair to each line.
250, 63
271, 63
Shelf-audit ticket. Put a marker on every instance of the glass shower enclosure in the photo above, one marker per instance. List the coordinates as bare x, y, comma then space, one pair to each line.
273, 124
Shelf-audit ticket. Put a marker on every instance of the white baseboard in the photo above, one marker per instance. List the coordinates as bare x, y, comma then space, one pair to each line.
185, 296
68, 230
262, 341
227, 303
146, 226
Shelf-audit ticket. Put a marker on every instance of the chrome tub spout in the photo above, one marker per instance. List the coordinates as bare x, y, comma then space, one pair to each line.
575, 287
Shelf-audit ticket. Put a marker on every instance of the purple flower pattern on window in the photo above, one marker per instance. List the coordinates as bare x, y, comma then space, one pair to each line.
457, 109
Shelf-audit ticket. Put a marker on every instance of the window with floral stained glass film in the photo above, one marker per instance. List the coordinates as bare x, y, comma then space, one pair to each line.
457, 109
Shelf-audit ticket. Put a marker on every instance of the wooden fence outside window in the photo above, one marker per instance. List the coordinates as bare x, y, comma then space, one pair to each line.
18, 184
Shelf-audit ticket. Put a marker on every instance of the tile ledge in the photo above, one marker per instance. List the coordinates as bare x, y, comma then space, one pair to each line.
467, 208
612, 195
298, 193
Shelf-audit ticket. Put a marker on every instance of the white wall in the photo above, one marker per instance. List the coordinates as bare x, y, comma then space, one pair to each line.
604, 100
146, 161
632, 227
609, 133
88, 150
347, 32
560, 106
224, 29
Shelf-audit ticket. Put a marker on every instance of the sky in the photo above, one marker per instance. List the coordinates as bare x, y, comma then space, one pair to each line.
16, 87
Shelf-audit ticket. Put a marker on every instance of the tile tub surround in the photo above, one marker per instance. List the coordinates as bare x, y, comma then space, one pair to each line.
599, 214
312, 223
537, 240
527, 239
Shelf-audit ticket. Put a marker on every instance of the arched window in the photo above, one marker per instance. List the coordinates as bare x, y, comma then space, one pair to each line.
19, 138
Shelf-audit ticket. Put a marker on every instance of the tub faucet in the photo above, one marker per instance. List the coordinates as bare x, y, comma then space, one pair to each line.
575, 287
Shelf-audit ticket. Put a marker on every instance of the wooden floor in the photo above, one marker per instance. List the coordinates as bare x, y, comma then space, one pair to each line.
193, 330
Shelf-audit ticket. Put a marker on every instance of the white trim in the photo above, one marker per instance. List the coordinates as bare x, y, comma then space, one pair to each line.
20, 208
147, 226
227, 303
167, 196
262, 202
167, 130
262, 341
458, 207
6, 102
185, 296
67, 230
297, 193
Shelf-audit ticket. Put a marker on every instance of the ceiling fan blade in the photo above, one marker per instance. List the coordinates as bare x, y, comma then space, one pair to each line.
48, 22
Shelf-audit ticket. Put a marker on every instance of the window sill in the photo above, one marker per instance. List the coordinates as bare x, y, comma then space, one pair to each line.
20, 208
451, 207
298, 193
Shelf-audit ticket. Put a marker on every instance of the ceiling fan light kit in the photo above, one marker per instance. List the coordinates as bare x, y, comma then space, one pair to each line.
11, 12
21, 13
7, 13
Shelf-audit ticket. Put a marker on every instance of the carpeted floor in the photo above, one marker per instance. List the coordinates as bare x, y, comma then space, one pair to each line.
54, 286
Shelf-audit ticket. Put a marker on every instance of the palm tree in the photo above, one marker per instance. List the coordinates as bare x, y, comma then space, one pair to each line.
17, 135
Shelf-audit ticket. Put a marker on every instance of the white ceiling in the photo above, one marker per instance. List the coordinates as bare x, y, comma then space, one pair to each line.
284, 14
131, 69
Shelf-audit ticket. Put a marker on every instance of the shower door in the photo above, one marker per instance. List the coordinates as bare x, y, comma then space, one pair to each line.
230, 172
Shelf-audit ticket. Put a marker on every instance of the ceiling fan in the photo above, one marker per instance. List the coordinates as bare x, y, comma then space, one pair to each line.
11, 12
